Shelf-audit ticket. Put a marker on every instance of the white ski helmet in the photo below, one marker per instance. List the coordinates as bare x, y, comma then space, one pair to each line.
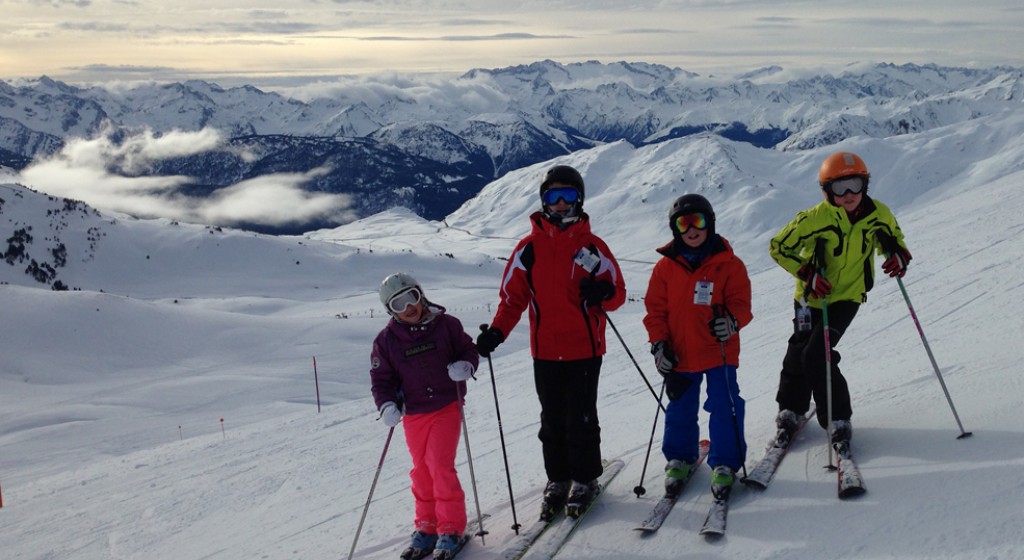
395, 284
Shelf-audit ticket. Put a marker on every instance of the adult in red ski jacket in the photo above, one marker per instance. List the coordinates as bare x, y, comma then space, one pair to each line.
567, 277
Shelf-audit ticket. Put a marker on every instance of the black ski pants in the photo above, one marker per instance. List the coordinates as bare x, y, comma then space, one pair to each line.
570, 434
803, 369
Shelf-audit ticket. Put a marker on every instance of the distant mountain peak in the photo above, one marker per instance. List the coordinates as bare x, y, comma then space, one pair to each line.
417, 133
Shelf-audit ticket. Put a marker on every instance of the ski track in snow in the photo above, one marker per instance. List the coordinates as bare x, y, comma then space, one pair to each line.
93, 464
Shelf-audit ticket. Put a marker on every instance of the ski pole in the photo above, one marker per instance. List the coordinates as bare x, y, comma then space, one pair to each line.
828, 378
373, 486
889, 246
501, 435
469, 459
819, 258
649, 386
590, 262
639, 489
931, 357
735, 417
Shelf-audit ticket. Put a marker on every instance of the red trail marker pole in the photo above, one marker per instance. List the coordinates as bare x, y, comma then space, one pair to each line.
316, 381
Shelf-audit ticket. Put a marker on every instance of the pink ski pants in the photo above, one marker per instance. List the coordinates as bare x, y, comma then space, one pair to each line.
433, 440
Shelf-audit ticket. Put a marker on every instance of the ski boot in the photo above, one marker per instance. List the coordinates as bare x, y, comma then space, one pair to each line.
580, 496
787, 422
722, 478
840, 432
421, 546
677, 472
555, 496
446, 547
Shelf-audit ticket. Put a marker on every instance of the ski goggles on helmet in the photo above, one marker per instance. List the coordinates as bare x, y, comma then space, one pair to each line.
552, 196
854, 184
697, 220
400, 301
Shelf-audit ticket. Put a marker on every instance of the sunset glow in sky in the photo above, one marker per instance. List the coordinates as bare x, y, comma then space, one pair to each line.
261, 42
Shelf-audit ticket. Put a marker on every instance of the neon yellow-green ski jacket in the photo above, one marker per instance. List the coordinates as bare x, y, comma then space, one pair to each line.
849, 247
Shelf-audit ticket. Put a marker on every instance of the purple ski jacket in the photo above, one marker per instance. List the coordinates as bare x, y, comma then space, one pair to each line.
409, 363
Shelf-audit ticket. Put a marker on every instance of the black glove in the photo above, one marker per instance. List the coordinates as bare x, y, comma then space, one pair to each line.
664, 358
596, 291
817, 284
488, 340
723, 327
896, 265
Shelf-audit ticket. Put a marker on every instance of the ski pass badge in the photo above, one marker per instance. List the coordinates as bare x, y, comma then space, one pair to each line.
587, 259
702, 293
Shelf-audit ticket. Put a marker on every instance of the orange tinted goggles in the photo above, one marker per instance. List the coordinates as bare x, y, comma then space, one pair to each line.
696, 220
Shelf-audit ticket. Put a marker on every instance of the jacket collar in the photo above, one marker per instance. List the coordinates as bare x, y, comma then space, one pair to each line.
542, 226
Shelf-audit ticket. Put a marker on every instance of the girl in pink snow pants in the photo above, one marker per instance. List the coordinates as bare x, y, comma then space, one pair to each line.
418, 370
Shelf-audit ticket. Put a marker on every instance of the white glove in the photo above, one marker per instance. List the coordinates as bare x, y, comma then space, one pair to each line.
460, 370
723, 327
390, 414
664, 358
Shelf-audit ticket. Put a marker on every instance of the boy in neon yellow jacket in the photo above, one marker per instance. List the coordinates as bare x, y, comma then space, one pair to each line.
830, 249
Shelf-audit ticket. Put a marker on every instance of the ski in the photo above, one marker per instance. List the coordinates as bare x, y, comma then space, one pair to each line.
764, 470
714, 523
521, 544
668, 501
850, 482
562, 530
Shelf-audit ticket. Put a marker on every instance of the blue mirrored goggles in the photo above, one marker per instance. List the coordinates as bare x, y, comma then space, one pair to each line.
400, 301
854, 184
552, 196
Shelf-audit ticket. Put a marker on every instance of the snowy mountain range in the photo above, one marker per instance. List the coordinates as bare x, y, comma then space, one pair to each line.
166, 406
430, 144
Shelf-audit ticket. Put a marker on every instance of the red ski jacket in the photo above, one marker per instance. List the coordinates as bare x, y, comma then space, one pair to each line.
680, 301
543, 275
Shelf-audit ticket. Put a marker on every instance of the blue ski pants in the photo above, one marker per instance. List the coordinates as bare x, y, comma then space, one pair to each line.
726, 407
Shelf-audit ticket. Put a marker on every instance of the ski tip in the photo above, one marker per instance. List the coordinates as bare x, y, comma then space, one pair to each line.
852, 492
712, 534
755, 484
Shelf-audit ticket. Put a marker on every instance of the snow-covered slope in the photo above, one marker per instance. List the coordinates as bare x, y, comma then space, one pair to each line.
173, 414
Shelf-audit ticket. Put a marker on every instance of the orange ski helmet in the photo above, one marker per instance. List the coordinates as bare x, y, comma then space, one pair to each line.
842, 164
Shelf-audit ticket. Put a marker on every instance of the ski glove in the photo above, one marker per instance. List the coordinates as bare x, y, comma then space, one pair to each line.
488, 340
664, 358
723, 327
896, 265
596, 291
390, 414
460, 370
817, 284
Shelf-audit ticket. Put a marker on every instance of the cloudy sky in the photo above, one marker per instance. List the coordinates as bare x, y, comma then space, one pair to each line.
265, 43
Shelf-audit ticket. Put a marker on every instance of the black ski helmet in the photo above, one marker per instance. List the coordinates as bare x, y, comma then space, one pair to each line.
563, 175
690, 204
